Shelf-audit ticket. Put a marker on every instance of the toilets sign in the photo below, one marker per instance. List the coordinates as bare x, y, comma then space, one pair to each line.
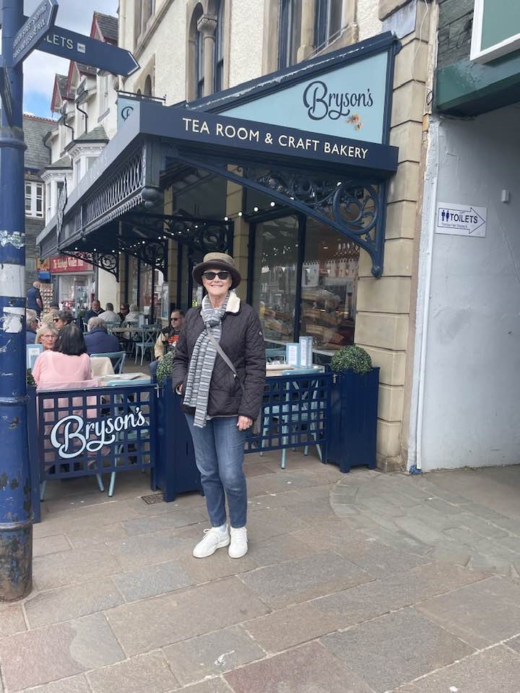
461, 220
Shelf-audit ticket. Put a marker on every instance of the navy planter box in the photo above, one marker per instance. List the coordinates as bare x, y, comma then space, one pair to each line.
176, 471
353, 431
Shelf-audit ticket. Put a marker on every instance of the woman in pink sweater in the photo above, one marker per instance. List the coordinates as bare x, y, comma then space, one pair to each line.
67, 363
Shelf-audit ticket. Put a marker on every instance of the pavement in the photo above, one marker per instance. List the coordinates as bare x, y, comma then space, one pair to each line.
357, 583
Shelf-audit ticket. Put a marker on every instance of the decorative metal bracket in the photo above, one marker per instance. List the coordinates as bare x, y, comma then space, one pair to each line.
153, 252
355, 208
205, 235
106, 261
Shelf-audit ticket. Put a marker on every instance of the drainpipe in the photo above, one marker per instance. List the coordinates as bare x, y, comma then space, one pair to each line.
86, 119
423, 304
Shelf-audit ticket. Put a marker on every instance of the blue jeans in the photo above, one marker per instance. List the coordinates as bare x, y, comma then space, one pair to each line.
219, 454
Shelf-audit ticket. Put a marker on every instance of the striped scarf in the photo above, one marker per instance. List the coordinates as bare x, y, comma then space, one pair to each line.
202, 361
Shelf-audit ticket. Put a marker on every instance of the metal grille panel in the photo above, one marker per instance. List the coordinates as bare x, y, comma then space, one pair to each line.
96, 431
296, 412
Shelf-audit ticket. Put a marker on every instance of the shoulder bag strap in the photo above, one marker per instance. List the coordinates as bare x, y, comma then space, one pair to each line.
224, 356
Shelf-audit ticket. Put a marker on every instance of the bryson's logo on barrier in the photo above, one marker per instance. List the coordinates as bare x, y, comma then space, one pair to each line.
72, 436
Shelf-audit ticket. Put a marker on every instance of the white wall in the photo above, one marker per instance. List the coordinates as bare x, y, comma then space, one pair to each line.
368, 19
247, 21
472, 376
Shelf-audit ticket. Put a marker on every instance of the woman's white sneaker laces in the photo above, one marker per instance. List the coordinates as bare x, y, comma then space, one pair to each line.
214, 538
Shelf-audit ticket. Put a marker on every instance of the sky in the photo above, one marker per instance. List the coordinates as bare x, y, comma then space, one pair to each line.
40, 68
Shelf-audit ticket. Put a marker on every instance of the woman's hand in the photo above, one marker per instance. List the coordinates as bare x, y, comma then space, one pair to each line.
244, 422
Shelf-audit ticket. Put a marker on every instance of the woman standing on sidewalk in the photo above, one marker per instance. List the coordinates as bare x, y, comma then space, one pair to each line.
220, 407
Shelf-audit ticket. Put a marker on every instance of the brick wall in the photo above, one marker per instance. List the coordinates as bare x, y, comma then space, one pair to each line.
455, 26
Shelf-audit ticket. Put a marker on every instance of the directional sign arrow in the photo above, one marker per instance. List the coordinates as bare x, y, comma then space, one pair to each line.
5, 92
479, 222
83, 49
34, 30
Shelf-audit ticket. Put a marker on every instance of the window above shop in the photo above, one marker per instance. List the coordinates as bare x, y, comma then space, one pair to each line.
144, 11
289, 37
327, 24
34, 199
208, 33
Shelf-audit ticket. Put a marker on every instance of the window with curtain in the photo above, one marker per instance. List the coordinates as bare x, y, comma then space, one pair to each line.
289, 37
219, 48
274, 277
328, 21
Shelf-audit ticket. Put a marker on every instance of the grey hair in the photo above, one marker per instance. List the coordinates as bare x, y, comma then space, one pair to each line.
30, 316
134, 307
110, 306
96, 322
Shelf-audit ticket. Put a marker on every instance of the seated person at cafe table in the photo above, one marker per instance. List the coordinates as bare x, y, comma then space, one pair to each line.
109, 315
133, 314
69, 362
31, 323
123, 311
97, 339
64, 317
167, 339
47, 336
94, 311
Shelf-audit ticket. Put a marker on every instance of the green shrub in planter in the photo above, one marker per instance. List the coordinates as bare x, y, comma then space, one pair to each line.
165, 367
351, 358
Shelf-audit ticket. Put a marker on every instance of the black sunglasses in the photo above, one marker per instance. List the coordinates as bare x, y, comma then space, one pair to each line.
172, 319
223, 274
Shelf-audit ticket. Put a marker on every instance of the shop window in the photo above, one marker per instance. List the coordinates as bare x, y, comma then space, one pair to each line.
289, 37
329, 287
275, 277
328, 21
34, 199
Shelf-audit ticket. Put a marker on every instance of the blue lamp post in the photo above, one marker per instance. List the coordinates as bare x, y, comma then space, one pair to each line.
15, 488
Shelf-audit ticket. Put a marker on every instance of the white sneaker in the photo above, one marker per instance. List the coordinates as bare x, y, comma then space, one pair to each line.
238, 546
214, 538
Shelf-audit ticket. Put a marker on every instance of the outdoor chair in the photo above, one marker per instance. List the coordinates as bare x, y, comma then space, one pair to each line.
117, 358
274, 355
147, 342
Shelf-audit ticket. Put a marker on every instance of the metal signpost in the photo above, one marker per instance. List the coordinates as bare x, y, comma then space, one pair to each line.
20, 36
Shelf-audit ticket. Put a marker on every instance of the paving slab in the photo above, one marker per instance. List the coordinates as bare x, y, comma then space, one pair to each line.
74, 684
148, 673
52, 544
56, 652
278, 549
395, 649
152, 581
220, 565
11, 620
105, 513
493, 670
374, 599
293, 626
212, 654
85, 537
171, 520
514, 644
150, 549
215, 685
148, 625
482, 614
273, 522
302, 579
73, 567
67, 603
307, 669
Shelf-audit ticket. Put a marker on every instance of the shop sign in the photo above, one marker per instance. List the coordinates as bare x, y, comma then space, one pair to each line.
461, 220
349, 101
73, 436
273, 140
66, 263
496, 29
